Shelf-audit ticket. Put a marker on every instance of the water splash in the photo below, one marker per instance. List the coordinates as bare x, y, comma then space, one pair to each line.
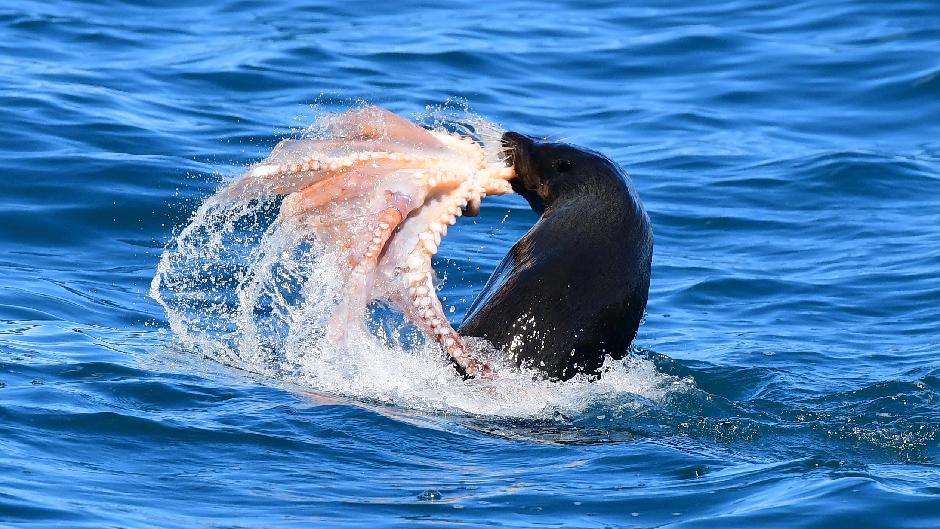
244, 287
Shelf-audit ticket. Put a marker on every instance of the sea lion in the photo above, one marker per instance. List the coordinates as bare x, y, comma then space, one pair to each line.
574, 288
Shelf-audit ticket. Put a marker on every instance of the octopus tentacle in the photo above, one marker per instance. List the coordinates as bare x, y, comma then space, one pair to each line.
300, 174
424, 307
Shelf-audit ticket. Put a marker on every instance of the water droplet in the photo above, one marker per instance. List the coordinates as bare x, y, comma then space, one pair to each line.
430, 495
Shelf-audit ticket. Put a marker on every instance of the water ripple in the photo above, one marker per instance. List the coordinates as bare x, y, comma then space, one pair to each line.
787, 155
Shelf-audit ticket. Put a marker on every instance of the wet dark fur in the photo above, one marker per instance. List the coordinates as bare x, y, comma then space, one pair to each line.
574, 288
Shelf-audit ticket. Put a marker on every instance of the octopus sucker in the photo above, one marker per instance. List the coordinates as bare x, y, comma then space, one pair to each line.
380, 192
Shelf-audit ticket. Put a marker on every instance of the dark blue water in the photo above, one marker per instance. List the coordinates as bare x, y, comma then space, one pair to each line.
787, 374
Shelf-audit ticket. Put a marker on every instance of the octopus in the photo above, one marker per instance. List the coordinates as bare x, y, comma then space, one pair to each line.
380, 192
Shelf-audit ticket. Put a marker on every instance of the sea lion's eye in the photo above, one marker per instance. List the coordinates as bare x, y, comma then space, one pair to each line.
562, 166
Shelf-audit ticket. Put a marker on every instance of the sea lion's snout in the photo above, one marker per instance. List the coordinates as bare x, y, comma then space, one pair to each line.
516, 150
519, 151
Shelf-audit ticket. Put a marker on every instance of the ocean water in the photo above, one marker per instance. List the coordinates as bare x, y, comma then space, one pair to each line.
788, 370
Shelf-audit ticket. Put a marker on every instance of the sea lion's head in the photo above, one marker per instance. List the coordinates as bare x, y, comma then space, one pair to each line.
547, 171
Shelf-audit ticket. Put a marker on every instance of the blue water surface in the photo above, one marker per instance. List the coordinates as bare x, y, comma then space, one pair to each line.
787, 153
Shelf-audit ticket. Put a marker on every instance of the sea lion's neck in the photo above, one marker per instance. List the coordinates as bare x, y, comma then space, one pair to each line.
590, 200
